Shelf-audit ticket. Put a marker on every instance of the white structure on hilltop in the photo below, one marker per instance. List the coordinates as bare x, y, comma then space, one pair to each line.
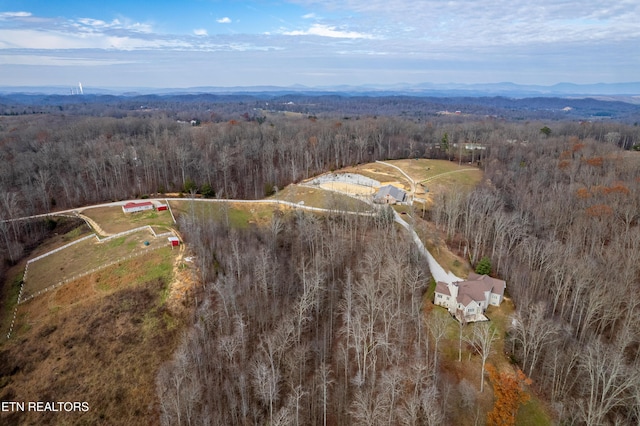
137, 207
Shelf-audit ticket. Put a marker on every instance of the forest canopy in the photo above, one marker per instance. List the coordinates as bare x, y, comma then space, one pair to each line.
319, 319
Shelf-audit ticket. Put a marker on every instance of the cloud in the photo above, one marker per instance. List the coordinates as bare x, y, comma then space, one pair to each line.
464, 23
322, 30
98, 25
507, 38
9, 15
49, 60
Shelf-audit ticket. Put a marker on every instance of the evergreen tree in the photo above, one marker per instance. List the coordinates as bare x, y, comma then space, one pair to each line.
484, 266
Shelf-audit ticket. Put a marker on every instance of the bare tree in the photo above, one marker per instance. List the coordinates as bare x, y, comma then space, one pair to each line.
533, 332
482, 337
610, 381
325, 377
438, 324
368, 408
265, 383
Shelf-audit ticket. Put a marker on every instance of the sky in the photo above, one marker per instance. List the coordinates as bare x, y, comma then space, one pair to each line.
316, 43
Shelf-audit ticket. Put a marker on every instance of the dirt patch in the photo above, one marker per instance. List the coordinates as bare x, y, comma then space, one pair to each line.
376, 171
73, 292
402, 185
185, 283
348, 188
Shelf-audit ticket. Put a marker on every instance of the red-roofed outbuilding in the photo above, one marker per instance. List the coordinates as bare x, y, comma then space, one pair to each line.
137, 207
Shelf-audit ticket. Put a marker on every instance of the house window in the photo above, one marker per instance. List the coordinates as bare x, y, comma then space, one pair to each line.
470, 310
439, 296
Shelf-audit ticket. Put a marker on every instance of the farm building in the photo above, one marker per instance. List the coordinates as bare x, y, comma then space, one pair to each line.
389, 194
174, 241
161, 207
468, 300
137, 207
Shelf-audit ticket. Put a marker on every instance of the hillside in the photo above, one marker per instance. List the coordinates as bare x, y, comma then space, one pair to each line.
313, 301
95, 321
116, 323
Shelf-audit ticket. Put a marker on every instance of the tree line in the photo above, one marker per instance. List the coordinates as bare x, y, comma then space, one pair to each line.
559, 219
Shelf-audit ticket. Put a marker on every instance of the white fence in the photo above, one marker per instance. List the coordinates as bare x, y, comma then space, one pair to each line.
89, 272
122, 234
70, 279
80, 275
61, 248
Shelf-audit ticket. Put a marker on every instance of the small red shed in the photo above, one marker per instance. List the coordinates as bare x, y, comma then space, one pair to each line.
161, 207
174, 241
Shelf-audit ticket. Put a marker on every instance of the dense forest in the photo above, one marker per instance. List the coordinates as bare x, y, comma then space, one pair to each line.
225, 106
309, 321
317, 320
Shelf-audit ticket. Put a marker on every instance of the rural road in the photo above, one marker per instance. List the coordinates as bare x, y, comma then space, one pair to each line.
437, 271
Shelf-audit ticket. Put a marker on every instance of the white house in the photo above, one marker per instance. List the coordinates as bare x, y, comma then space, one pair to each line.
468, 300
137, 207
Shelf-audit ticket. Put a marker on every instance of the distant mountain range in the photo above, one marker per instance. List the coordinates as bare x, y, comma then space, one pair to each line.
627, 92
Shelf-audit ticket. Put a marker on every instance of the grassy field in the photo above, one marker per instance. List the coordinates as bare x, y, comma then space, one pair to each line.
317, 197
423, 169
99, 339
380, 172
239, 215
113, 221
438, 176
432, 176
85, 256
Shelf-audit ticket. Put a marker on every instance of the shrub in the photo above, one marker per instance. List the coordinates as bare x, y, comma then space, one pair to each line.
484, 266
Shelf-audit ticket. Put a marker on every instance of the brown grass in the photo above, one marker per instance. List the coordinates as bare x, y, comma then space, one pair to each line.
317, 197
380, 172
436, 176
85, 256
113, 221
240, 215
100, 339
434, 241
349, 188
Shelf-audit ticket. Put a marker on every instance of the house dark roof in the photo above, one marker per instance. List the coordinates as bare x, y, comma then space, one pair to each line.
497, 285
474, 289
477, 287
465, 300
442, 288
391, 190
